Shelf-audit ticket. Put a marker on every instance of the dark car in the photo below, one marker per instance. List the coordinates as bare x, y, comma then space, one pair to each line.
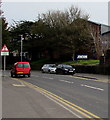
21, 68
65, 69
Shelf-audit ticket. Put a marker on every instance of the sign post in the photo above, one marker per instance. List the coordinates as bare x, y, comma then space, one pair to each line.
4, 63
4, 52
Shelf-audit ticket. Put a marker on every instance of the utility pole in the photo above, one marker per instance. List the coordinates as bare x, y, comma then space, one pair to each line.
22, 47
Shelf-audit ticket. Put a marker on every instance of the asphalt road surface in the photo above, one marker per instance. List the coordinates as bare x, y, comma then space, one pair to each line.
53, 96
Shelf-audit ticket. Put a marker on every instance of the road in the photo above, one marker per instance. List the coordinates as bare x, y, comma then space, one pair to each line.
54, 96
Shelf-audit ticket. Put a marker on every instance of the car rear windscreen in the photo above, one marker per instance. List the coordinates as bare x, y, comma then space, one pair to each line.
23, 65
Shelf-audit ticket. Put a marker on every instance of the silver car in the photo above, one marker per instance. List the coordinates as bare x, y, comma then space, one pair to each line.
49, 68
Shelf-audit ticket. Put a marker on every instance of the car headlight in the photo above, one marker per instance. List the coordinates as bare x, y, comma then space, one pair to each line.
73, 69
66, 69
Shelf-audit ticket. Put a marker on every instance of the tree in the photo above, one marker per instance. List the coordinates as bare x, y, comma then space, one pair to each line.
56, 34
4, 31
70, 28
1, 12
20, 28
0, 25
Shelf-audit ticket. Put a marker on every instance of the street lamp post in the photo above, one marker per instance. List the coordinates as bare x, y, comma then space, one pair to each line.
22, 48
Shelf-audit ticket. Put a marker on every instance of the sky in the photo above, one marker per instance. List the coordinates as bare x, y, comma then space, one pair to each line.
26, 10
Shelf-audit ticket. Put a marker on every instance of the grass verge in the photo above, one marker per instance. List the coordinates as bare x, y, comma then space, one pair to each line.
83, 62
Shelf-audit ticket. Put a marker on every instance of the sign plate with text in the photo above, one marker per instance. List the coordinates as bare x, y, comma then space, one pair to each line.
82, 57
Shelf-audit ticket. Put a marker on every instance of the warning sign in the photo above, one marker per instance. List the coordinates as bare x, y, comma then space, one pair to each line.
4, 51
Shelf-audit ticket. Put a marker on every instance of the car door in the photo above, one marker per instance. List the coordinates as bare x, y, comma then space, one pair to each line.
47, 68
26, 67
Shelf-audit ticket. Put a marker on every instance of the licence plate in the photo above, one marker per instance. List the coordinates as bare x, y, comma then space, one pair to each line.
20, 72
70, 71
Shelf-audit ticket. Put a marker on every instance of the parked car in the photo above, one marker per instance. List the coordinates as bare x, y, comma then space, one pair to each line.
65, 69
49, 68
21, 68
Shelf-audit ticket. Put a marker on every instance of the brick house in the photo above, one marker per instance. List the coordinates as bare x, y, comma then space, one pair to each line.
101, 37
105, 41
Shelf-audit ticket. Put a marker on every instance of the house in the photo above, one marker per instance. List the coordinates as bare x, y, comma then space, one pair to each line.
105, 41
101, 37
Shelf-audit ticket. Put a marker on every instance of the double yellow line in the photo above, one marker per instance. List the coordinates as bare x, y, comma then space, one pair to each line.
80, 110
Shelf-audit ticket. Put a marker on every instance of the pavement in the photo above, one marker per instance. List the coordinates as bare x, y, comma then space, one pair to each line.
97, 77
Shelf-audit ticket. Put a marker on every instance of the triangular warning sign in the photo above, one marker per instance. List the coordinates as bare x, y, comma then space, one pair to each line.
4, 49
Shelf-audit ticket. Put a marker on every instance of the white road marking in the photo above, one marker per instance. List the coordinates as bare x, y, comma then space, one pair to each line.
66, 81
48, 78
35, 75
92, 87
44, 77
18, 85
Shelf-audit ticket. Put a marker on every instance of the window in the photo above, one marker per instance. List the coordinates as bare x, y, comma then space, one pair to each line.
20, 66
23, 65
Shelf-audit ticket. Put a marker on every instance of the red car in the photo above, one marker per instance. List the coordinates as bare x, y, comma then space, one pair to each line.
21, 68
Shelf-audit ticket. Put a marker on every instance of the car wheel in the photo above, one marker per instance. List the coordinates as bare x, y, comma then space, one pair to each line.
11, 74
16, 75
42, 71
57, 72
49, 71
29, 75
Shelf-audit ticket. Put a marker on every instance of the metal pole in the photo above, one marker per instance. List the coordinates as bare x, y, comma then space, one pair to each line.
4, 65
21, 47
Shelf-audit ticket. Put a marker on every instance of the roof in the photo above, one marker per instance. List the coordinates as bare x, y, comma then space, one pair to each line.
94, 22
104, 28
98, 23
20, 62
106, 33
